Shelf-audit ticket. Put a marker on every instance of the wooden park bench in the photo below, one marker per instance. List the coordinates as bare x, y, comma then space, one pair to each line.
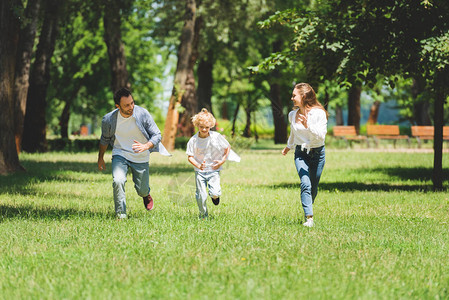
427, 133
349, 134
386, 132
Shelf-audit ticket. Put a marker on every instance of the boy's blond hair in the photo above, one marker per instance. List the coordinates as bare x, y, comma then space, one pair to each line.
204, 117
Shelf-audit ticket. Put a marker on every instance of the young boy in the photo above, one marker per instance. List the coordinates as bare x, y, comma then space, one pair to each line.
207, 151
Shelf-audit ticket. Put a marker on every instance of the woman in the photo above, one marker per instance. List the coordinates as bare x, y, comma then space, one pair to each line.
308, 128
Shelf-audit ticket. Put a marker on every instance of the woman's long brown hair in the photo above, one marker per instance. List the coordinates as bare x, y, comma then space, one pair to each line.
308, 97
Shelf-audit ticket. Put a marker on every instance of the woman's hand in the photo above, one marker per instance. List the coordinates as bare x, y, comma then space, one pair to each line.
300, 118
285, 150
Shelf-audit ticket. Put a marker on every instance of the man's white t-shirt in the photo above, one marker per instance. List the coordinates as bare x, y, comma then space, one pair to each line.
126, 133
207, 149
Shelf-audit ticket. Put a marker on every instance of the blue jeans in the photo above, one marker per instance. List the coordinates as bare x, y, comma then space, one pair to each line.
309, 167
203, 181
141, 179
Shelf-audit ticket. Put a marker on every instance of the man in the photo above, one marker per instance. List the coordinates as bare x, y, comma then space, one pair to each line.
133, 134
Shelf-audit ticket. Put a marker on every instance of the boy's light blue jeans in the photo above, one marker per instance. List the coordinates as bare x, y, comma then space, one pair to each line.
141, 179
309, 167
203, 181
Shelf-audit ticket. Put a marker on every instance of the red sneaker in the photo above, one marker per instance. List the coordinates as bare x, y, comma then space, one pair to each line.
148, 202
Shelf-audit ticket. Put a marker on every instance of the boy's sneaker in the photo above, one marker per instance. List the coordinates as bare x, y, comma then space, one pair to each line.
216, 201
308, 222
121, 216
148, 202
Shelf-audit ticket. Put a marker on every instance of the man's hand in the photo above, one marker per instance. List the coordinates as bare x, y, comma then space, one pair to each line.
202, 166
139, 147
101, 164
285, 150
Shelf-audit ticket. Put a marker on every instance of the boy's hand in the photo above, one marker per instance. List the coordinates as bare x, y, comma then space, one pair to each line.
217, 164
203, 165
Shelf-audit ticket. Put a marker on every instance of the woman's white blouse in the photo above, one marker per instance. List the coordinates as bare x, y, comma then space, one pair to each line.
311, 137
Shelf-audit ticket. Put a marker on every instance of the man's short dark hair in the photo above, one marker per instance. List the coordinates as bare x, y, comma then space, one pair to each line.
123, 92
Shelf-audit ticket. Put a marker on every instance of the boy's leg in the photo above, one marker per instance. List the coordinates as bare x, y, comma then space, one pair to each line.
119, 170
201, 193
214, 184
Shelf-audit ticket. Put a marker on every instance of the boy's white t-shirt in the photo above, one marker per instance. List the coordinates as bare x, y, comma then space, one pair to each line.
125, 134
207, 149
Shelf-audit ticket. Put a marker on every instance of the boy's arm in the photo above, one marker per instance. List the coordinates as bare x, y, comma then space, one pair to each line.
219, 163
193, 161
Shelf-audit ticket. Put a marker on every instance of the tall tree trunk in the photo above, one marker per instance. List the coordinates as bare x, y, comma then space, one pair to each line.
205, 81
65, 115
248, 111
256, 135
234, 120
189, 99
339, 115
421, 107
64, 120
116, 49
437, 175
374, 112
9, 38
35, 125
280, 125
354, 106
277, 109
23, 62
182, 70
224, 110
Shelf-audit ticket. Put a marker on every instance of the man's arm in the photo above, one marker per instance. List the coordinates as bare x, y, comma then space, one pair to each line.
139, 147
152, 130
101, 151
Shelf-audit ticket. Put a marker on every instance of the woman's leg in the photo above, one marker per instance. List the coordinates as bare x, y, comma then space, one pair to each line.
302, 167
315, 169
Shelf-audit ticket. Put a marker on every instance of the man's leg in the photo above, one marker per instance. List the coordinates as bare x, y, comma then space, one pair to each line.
141, 179
119, 170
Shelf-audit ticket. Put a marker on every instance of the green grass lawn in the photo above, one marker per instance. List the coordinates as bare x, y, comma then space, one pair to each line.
380, 231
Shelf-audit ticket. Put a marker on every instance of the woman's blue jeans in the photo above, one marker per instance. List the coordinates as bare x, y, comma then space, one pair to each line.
141, 179
309, 167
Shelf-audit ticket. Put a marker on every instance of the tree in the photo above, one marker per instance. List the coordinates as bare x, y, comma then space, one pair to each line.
113, 39
391, 38
35, 125
9, 27
181, 75
23, 62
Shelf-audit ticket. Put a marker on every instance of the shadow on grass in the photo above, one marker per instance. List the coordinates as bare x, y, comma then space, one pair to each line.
35, 167
357, 186
405, 173
397, 174
30, 212
36, 172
